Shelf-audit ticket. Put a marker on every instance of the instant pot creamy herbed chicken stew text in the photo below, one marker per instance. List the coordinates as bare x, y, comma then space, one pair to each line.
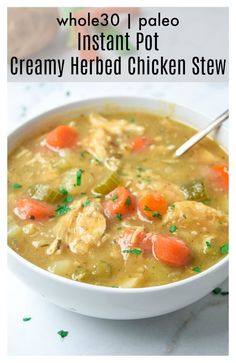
100, 199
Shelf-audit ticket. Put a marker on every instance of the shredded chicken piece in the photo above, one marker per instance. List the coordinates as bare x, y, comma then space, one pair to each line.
189, 213
54, 246
100, 145
108, 137
82, 227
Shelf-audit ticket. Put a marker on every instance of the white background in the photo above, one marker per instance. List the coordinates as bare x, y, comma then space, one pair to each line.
200, 329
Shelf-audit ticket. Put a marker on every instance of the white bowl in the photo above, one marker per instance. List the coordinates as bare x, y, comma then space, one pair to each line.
107, 302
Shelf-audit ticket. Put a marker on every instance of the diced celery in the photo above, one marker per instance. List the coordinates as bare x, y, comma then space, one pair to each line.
45, 193
195, 190
110, 183
102, 269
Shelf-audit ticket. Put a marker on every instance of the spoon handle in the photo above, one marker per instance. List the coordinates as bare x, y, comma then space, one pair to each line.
201, 134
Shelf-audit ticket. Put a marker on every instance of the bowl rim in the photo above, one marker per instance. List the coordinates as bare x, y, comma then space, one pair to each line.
100, 288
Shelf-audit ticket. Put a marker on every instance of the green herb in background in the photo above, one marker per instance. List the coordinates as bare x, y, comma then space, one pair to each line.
110, 30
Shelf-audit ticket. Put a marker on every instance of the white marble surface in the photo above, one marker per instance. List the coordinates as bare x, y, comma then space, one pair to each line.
199, 329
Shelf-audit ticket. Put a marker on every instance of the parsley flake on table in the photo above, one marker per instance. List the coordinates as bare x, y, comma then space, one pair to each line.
133, 251
63, 333
216, 291
224, 249
16, 186
27, 318
62, 209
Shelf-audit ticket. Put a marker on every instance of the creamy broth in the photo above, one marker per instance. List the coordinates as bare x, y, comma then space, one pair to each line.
67, 215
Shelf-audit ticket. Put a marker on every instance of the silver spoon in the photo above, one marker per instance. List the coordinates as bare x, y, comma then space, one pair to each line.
201, 134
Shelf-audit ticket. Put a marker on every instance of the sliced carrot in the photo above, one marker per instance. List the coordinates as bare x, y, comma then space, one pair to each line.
140, 143
28, 208
171, 251
153, 206
119, 203
61, 137
220, 175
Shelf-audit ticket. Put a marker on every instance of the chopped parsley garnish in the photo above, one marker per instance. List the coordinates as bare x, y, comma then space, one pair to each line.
79, 176
16, 186
83, 193
216, 291
69, 198
119, 217
156, 215
146, 208
140, 168
63, 333
86, 203
208, 244
115, 286
62, 209
116, 196
128, 201
133, 251
27, 318
224, 249
63, 191
172, 206
196, 269
173, 229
